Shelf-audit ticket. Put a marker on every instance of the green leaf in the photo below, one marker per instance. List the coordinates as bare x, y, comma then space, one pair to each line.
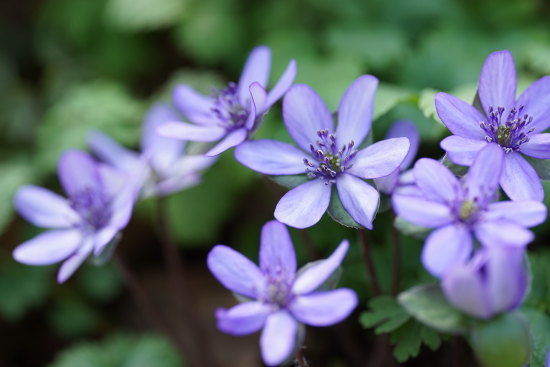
428, 305
409, 338
539, 290
15, 172
99, 105
144, 15
72, 317
120, 350
337, 211
22, 287
457, 170
99, 283
389, 96
540, 331
542, 166
502, 342
385, 313
290, 181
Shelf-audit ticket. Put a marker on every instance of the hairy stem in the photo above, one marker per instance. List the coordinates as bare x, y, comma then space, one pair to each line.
369, 263
300, 357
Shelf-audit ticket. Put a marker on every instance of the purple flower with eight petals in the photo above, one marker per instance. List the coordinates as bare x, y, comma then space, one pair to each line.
99, 206
459, 209
492, 282
514, 125
327, 155
232, 114
280, 297
163, 161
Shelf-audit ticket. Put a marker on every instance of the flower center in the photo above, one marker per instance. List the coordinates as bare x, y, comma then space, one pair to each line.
510, 131
329, 160
277, 291
227, 108
467, 210
93, 206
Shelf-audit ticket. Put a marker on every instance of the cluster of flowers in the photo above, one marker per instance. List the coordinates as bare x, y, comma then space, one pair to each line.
338, 164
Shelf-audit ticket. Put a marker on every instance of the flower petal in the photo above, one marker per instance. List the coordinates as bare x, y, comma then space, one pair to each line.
73, 263
196, 107
507, 277
406, 129
271, 157
436, 181
483, 177
502, 232
355, 110
460, 118
305, 113
421, 211
277, 251
232, 139
235, 272
185, 131
44, 208
360, 199
525, 213
445, 248
256, 69
311, 278
324, 308
519, 180
163, 152
282, 85
536, 100
388, 183
304, 205
538, 146
48, 247
77, 172
111, 152
278, 338
497, 81
380, 159
245, 318
462, 150
464, 289
258, 95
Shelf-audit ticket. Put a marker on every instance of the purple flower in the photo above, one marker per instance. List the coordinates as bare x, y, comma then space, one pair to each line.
280, 297
99, 205
232, 114
327, 155
514, 125
163, 161
460, 209
389, 183
492, 282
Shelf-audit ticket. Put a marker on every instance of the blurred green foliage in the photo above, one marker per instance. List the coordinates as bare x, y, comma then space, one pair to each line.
68, 66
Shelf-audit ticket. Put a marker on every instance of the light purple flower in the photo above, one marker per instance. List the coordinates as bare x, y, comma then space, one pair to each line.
163, 161
492, 282
516, 125
230, 115
389, 183
460, 210
327, 155
99, 205
280, 297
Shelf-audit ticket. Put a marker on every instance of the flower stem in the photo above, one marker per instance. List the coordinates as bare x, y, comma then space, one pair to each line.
197, 344
300, 357
396, 257
144, 302
367, 255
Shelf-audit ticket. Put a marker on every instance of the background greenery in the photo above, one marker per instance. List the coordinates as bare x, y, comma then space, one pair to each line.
67, 66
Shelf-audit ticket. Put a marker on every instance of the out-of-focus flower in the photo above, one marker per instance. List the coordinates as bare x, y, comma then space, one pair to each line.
280, 297
99, 205
327, 155
232, 114
516, 126
400, 129
163, 160
492, 282
459, 210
